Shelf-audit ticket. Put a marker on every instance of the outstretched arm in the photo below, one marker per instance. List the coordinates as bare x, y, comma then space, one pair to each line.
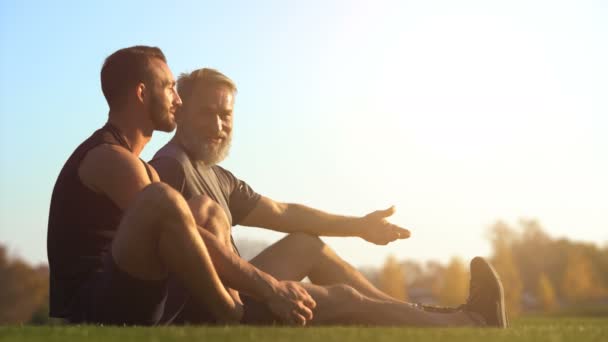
290, 218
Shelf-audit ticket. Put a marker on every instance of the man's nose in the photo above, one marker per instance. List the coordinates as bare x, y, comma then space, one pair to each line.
177, 101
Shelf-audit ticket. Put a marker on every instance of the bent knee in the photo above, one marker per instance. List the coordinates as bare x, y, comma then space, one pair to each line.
204, 208
305, 240
201, 203
209, 214
161, 192
311, 245
162, 200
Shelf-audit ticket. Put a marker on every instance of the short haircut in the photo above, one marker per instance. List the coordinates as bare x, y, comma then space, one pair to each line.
124, 69
205, 76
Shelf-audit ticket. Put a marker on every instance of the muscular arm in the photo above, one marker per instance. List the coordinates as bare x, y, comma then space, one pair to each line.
288, 300
237, 273
289, 218
115, 172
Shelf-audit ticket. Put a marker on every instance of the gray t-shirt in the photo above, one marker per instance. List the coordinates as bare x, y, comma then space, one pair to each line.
190, 178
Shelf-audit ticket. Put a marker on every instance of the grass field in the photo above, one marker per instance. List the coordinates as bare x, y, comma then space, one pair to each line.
525, 329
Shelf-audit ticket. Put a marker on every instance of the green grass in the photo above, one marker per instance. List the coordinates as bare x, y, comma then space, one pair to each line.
525, 329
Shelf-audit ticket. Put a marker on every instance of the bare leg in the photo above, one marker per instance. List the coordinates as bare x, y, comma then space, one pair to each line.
208, 214
342, 304
158, 234
298, 255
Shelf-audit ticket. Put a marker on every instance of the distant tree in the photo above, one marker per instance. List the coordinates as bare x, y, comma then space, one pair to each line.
413, 270
423, 281
454, 284
23, 289
546, 293
532, 253
392, 279
580, 282
434, 272
503, 239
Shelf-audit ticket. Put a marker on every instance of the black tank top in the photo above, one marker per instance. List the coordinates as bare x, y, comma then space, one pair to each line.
82, 225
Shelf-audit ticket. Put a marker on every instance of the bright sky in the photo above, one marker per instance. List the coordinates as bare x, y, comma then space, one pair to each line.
458, 112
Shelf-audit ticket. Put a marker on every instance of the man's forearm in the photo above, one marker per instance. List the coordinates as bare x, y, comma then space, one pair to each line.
292, 218
303, 219
235, 272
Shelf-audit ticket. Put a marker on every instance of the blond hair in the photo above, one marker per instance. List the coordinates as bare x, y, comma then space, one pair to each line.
206, 77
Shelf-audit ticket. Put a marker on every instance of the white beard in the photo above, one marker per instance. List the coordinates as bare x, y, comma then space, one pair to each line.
203, 152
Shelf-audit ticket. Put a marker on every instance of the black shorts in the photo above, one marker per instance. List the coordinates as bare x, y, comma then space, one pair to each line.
182, 309
114, 297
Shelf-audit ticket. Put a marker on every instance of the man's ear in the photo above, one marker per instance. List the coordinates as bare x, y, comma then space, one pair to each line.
141, 92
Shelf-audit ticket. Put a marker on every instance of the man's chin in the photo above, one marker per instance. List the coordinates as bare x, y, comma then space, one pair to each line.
167, 129
208, 155
165, 126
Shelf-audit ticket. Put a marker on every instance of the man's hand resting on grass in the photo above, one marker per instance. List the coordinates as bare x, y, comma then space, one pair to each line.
374, 228
291, 303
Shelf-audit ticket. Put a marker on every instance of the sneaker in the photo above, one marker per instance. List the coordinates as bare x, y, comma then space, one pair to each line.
486, 295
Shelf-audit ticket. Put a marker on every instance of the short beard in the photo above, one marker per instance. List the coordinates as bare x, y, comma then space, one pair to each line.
205, 153
160, 117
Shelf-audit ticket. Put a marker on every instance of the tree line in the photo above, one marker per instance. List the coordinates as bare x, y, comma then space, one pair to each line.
24, 290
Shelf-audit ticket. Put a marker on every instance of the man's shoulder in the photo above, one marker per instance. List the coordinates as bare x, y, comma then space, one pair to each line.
115, 172
104, 157
171, 162
172, 151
